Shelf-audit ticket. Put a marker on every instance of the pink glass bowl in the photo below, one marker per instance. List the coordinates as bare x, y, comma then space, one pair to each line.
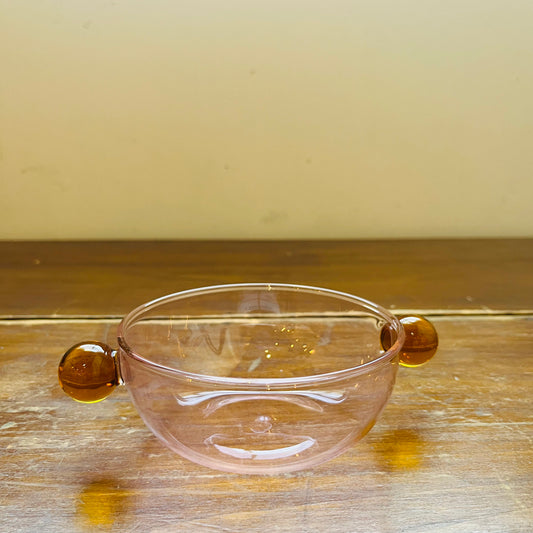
251, 378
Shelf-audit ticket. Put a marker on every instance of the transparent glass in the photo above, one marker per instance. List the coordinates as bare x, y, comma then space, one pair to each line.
259, 378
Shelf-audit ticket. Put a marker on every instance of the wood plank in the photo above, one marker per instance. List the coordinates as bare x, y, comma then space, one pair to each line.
110, 278
452, 452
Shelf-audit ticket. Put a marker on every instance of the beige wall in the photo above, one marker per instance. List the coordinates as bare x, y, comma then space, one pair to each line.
249, 119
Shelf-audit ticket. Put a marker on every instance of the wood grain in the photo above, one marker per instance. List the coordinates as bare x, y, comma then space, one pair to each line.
110, 278
451, 453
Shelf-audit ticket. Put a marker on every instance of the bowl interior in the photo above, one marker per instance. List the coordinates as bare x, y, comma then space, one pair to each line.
257, 331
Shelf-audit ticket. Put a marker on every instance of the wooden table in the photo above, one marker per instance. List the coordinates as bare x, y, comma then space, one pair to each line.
451, 453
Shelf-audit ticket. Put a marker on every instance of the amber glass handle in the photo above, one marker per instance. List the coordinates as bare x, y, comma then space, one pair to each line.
421, 340
88, 372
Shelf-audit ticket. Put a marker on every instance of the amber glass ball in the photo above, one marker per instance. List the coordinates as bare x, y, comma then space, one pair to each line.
421, 340
87, 372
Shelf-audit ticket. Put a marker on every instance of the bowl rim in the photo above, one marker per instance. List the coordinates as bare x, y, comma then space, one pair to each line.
274, 382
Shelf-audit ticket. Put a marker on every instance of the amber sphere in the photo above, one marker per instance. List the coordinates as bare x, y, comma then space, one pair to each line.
87, 372
421, 340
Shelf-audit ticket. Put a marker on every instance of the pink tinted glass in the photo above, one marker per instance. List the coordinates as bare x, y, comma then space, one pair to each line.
259, 378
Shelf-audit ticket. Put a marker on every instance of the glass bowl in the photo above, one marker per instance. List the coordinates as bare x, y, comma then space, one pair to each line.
254, 378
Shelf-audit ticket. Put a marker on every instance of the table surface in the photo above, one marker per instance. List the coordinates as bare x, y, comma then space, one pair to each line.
451, 452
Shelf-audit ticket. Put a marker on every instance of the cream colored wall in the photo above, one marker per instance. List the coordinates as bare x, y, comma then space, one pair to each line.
249, 119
